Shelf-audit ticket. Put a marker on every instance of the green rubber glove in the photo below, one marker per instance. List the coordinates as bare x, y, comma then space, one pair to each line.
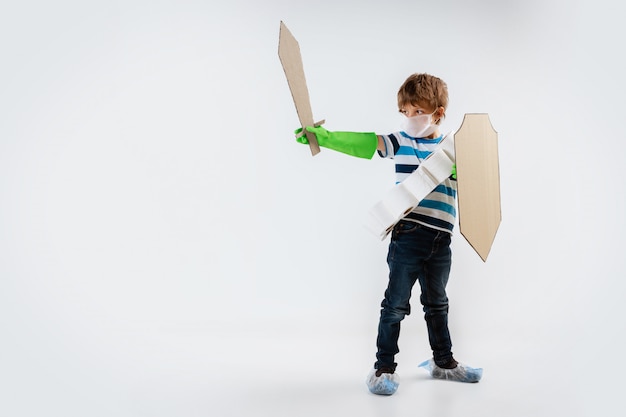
361, 145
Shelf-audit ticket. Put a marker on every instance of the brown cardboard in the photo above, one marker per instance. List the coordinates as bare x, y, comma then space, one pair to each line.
478, 181
291, 60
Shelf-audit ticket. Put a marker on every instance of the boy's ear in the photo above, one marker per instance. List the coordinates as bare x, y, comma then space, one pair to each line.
439, 113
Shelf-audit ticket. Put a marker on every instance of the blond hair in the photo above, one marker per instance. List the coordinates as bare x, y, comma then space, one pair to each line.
423, 89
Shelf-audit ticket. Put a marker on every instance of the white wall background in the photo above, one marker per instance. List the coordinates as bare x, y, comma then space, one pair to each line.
166, 249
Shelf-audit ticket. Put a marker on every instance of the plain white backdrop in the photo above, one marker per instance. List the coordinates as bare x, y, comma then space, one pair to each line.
167, 249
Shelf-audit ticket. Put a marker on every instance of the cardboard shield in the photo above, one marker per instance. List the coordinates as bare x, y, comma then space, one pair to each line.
478, 182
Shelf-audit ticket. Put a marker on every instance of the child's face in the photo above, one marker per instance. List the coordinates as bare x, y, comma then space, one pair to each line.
410, 110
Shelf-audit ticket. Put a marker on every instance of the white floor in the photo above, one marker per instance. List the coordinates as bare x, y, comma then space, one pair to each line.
210, 369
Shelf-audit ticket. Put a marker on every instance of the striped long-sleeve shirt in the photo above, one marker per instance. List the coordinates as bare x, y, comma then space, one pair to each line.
438, 209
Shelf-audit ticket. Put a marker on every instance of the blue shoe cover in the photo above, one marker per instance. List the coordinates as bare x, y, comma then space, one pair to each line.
385, 384
462, 373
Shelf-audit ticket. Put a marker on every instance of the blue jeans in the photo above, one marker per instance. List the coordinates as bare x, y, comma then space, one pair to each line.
416, 253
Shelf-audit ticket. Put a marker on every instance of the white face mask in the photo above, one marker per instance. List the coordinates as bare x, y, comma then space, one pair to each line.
419, 126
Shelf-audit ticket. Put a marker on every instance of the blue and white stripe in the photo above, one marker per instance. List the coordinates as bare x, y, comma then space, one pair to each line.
438, 209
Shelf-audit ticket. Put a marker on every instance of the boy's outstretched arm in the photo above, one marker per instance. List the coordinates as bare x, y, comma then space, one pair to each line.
381, 144
359, 144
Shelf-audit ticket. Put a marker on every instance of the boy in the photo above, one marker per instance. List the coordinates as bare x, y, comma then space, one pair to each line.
419, 250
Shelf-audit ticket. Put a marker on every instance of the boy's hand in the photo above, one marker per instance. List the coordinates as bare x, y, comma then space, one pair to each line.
320, 133
361, 145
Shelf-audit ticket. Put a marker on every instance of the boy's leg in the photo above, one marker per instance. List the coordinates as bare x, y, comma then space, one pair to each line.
404, 261
433, 280
395, 307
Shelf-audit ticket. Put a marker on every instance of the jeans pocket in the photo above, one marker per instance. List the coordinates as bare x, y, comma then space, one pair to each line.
404, 227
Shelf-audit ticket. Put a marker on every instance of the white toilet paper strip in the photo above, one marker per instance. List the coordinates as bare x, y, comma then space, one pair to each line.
404, 197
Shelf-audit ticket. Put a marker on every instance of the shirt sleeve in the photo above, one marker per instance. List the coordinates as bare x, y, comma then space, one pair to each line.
391, 146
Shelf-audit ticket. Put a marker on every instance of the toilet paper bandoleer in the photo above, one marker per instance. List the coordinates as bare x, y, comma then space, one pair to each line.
400, 201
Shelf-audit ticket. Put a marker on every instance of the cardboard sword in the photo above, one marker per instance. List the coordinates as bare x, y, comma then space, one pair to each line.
291, 60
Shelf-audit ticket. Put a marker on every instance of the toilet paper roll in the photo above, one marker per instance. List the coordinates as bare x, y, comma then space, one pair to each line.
419, 184
400, 201
374, 225
447, 145
386, 213
381, 217
404, 197
438, 166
